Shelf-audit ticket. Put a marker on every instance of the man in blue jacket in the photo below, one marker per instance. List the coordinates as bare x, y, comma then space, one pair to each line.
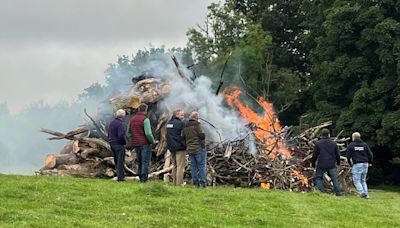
176, 145
116, 138
359, 157
326, 154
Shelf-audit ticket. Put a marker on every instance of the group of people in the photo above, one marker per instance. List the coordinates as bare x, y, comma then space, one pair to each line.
326, 156
187, 138
182, 138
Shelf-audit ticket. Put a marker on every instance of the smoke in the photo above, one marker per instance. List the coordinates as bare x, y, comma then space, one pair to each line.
23, 148
220, 124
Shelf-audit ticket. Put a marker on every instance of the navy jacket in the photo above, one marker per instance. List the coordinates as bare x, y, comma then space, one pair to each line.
174, 138
116, 132
358, 152
326, 152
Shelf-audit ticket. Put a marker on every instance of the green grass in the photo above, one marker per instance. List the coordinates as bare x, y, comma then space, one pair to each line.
30, 201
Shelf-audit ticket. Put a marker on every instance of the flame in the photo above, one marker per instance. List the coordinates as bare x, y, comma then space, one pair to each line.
300, 177
266, 127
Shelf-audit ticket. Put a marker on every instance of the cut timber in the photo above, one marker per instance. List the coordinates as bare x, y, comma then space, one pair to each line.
75, 146
228, 151
167, 164
90, 151
54, 160
67, 148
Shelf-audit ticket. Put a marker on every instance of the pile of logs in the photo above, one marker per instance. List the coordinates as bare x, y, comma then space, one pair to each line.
87, 154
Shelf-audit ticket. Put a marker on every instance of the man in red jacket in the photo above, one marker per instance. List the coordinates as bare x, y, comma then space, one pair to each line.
142, 140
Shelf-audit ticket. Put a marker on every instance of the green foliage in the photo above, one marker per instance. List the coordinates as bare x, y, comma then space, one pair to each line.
316, 60
30, 201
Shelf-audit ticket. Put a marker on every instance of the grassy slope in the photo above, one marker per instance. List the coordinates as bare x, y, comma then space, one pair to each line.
70, 202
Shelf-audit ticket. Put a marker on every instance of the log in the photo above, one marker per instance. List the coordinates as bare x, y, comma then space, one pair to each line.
167, 163
181, 72
228, 151
89, 152
54, 160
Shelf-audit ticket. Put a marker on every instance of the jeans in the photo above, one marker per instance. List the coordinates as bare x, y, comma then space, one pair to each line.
119, 159
198, 167
143, 156
359, 171
320, 179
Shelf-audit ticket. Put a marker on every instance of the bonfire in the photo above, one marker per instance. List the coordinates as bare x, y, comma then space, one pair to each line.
245, 148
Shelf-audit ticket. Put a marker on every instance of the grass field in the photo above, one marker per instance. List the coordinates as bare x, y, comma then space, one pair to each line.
30, 201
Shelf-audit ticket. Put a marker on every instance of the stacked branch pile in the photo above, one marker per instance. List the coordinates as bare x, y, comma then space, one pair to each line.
87, 154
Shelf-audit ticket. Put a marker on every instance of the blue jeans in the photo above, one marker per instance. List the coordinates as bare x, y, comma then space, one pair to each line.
143, 157
359, 171
198, 167
320, 179
119, 160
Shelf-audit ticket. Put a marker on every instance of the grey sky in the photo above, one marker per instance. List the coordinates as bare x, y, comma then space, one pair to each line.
51, 49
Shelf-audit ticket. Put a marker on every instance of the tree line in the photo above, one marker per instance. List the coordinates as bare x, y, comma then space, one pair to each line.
316, 60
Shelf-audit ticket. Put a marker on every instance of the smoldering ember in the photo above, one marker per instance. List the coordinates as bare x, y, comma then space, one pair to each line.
245, 148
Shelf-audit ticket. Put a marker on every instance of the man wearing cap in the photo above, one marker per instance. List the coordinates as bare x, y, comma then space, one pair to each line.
359, 157
325, 157
116, 139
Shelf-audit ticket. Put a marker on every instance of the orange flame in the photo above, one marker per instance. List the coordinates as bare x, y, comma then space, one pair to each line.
267, 127
301, 178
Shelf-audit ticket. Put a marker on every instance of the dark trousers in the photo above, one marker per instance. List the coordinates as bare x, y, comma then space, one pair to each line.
143, 157
320, 179
119, 159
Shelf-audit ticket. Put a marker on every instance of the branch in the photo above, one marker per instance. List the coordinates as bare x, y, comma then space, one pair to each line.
101, 132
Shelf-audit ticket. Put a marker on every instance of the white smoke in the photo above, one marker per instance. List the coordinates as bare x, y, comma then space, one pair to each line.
221, 123
23, 148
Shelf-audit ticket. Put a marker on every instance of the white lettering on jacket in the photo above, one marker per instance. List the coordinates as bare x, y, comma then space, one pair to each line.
361, 148
170, 126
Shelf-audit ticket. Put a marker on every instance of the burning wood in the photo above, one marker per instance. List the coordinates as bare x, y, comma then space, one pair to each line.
282, 162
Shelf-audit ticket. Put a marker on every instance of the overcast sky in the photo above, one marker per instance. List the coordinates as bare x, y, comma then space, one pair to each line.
52, 49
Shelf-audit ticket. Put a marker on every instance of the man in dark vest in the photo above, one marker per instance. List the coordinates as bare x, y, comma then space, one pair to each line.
142, 140
359, 157
177, 146
326, 155
116, 138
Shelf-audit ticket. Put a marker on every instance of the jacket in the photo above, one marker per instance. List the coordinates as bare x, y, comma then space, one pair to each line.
174, 132
358, 152
326, 152
193, 136
141, 130
116, 132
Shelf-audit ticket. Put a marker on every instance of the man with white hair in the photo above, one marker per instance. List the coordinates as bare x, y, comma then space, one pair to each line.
116, 138
194, 138
177, 146
359, 157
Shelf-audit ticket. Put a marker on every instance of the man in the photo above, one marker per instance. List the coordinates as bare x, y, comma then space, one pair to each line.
116, 138
194, 138
142, 140
326, 154
359, 157
176, 146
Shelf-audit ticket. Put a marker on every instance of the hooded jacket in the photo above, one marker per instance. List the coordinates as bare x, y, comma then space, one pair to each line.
358, 152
